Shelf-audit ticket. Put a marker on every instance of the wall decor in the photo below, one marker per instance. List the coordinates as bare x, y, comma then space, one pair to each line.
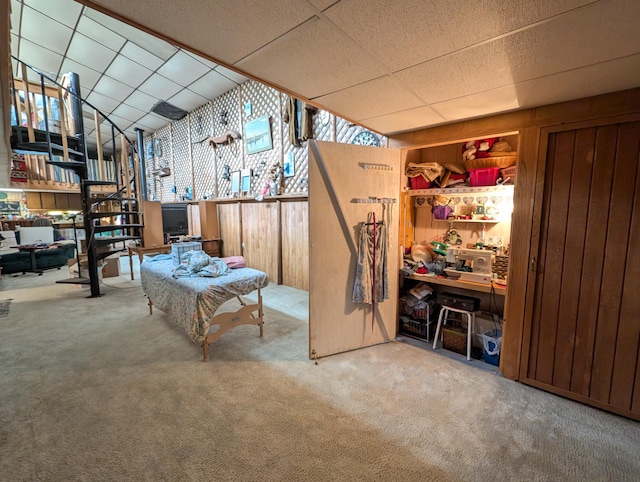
245, 183
235, 182
257, 135
248, 109
289, 166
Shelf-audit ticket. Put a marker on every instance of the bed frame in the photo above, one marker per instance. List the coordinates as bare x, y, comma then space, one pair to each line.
229, 320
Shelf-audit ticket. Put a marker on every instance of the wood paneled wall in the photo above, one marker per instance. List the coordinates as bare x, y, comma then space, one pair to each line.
295, 244
230, 228
261, 237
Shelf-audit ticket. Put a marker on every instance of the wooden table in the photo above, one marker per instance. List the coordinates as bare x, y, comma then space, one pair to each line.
499, 290
141, 251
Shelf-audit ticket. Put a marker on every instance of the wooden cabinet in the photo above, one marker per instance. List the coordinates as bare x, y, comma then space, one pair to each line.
213, 247
152, 233
48, 200
75, 201
62, 201
33, 200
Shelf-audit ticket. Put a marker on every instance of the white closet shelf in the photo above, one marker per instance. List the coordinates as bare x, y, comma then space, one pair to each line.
459, 190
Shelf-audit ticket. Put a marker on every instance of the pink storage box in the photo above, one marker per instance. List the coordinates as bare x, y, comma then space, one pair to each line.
419, 182
484, 177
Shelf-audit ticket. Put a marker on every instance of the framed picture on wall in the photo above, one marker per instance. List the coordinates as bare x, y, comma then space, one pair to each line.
245, 180
257, 135
289, 169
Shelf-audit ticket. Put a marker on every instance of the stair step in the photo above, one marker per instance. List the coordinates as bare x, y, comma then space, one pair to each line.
89, 182
75, 281
104, 240
43, 147
106, 254
101, 199
77, 166
93, 215
115, 227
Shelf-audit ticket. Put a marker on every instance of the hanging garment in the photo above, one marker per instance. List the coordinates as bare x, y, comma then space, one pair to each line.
299, 116
371, 270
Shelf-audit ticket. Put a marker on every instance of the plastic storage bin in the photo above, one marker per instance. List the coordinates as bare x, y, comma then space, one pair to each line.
492, 341
178, 249
484, 177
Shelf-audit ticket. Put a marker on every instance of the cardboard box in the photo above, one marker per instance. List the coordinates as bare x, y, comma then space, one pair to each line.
111, 266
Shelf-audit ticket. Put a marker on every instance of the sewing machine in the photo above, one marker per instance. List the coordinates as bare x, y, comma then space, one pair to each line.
478, 260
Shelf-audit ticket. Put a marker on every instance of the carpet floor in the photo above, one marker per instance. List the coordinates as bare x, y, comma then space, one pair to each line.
97, 389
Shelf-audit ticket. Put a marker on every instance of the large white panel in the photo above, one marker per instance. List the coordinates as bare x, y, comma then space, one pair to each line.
42, 59
97, 32
556, 46
65, 12
113, 88
187, 100
230, 74
409, 32
405, 120
183, 69
160, 87
152, 122
118, 121
141, 56
314, 59
45, 31
15, 43
141, 101
102, 102
212, 85
16, 10
90, 53
127, 71
371, 99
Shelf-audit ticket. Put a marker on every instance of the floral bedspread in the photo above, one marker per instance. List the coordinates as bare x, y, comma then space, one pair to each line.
192, 301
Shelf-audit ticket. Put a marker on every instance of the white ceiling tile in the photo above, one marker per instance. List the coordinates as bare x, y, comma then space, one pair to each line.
615, 75
152, 122
156, 46
415, 31
183, 69
207, 62
88, 77
127, 112
129, 72
90, 53
160, 87
212, 85
15, 42
313, 60
100, 34
113, 88
42, 59
230, 74
404, 120
102, 102
118, 121
371, 99
45, 31
67, 13
141, 56
187, 100
141, 101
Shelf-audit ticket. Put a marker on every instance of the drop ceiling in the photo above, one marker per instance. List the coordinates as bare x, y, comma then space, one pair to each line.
391, 66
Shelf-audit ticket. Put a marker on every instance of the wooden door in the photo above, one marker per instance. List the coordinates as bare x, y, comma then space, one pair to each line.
583, 330
230, 228
338, 175
260, 237
295, 244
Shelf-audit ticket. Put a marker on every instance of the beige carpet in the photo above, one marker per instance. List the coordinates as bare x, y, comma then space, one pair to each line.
96, 389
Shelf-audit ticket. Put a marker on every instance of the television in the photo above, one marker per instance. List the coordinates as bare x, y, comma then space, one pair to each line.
175, 220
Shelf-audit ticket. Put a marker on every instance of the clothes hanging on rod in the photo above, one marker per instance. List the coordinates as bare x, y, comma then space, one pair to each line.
371, 285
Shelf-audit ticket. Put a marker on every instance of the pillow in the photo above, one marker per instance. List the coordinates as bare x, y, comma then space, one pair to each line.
234, 262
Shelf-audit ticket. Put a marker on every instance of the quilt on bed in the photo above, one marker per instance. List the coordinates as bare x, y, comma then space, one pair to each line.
192, 301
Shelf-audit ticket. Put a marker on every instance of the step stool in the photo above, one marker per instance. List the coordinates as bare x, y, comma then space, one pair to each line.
471, 318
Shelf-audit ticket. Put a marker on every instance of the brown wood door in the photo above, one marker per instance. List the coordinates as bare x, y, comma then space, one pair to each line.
584, 326
295, 244
260, 237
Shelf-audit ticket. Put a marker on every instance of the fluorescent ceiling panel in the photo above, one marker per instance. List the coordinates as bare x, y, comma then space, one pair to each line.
212, 85
65, 12
160, 87
183, 69
129, 72
100, 34
45, 31
90, 53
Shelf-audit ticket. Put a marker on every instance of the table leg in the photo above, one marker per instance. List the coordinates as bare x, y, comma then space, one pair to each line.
130, 262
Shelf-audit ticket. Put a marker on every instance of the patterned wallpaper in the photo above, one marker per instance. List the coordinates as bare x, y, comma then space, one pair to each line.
197, 165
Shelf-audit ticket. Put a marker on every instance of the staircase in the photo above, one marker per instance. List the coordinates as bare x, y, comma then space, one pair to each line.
110, 205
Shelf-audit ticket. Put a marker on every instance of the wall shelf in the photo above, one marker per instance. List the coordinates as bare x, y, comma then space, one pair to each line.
477, 221
460, 190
